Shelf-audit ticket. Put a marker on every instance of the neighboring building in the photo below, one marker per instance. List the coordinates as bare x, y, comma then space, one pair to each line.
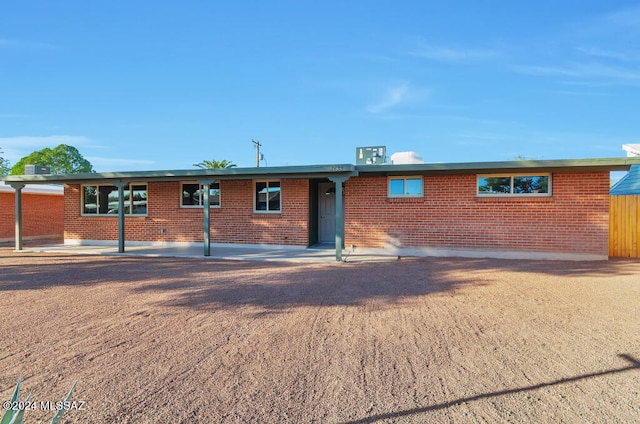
629, 185
43, 207
631, 149
516, 209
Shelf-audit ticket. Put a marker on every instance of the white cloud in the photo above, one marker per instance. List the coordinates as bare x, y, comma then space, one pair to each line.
448, 54
599, 50
98, 161
21, 44
45, 141
626, 19
395, 95
15, 148
585, 71
583, 93
12, 116
622, 56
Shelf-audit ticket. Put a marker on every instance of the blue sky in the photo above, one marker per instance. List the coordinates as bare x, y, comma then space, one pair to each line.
138, 85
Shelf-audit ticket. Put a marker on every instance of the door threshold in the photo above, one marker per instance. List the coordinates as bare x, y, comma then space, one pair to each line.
323, 246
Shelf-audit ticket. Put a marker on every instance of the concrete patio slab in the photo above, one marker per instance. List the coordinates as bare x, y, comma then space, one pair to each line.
276, 254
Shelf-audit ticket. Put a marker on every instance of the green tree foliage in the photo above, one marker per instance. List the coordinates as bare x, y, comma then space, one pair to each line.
214, 164
531, 184
5, 166
62, 160
522, 158
495, 185
522, 184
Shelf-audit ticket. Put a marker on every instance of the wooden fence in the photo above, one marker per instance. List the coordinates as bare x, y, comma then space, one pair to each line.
624, 226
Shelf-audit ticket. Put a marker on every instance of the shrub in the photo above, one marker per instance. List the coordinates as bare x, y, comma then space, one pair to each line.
15, 409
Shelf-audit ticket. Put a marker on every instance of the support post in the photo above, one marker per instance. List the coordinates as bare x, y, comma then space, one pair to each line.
18, 234
206, 184
339, 215
121, 185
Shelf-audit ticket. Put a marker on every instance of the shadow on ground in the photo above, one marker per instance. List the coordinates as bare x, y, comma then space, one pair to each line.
212, 284
633, 365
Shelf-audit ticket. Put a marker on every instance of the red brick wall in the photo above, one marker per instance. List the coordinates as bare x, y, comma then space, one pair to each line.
233, 222
574, 219
42, 215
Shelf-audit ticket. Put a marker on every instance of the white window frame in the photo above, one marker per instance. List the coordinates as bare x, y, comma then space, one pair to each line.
201, 205
511, 193
129, 188
404, 179
255, 200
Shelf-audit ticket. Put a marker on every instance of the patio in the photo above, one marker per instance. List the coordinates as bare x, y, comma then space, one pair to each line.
218, 252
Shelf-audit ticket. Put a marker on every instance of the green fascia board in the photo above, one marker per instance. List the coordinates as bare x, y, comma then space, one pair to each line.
324, 171
528, 166
275, 172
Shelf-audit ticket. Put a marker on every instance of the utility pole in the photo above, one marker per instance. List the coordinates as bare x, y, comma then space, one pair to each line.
257, 144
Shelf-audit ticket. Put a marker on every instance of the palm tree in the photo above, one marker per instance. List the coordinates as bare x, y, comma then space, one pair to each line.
211, 164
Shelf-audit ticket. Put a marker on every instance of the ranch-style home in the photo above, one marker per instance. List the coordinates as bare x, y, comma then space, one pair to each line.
556, 209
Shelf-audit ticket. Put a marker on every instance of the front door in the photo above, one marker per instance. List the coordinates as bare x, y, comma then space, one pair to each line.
326, 213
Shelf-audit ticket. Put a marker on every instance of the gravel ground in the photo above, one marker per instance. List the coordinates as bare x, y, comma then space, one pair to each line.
417, 340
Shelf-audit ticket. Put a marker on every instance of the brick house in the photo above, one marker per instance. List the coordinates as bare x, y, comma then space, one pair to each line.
517, 209
43, 212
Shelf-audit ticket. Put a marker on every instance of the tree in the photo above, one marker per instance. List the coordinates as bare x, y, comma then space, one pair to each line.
215, 164
62, 160
5, 166
522, 184
522, 158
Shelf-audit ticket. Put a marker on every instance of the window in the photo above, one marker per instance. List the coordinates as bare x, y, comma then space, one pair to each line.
405, 187
103, 199
514, 185
267, 198
193, 195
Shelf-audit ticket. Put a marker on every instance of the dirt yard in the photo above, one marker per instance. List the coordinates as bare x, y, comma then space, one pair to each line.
417, 340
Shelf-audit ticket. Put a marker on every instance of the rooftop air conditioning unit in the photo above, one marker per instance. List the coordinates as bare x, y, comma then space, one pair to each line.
406, 158
36, 170
372, 155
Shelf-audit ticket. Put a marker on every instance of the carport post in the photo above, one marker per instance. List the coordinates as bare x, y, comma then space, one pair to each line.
339, 215
121, 185
18, 188
206, 184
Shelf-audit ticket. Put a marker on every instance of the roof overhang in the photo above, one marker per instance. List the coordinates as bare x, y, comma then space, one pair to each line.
56, 190
275, 172
528, 166
326, 171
